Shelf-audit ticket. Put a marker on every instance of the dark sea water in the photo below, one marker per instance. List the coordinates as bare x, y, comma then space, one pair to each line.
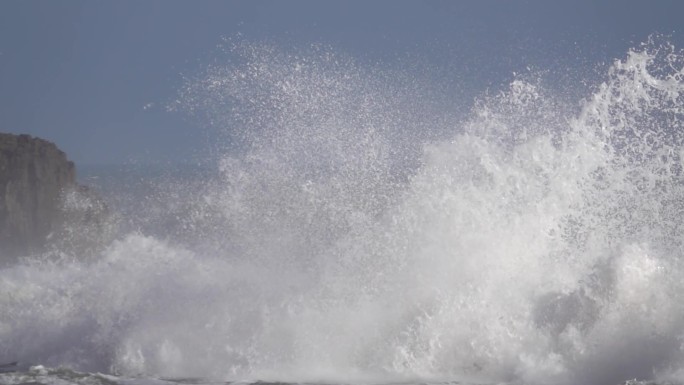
350, 229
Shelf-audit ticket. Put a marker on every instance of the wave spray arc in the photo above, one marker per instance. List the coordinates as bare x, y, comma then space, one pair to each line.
357, 230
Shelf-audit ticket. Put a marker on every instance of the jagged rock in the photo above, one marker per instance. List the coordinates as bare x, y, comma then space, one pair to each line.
33, 173
36, 182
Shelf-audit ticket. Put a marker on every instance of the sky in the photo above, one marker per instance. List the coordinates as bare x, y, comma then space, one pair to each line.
95, 76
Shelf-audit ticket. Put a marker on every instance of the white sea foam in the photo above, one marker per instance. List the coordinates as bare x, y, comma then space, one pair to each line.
348, 239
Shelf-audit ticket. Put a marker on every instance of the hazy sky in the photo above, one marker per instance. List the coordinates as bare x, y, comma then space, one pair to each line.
80, 73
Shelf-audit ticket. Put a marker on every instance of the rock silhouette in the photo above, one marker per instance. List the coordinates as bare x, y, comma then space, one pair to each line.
41, 205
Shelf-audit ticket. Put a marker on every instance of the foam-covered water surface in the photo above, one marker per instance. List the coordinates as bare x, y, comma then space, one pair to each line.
359, 230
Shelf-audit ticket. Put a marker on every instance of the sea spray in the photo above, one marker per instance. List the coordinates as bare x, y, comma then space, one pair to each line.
345, 237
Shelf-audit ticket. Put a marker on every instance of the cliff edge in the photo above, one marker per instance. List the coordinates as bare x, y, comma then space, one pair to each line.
35, 179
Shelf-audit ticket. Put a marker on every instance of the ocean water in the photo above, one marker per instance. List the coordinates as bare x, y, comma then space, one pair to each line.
354, 230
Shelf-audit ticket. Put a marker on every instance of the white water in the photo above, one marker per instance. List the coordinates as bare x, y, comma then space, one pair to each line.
348, 238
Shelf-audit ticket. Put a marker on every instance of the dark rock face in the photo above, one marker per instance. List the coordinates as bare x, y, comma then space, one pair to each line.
40, 203
33, 174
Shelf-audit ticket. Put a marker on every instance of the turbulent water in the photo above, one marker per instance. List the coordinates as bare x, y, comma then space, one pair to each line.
354, 229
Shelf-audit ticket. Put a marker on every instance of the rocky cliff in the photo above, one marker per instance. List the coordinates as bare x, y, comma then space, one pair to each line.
37, 189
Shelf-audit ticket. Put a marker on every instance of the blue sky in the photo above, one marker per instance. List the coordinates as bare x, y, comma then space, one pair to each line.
80, 73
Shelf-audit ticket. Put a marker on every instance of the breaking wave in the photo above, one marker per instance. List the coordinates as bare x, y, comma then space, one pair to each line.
359, 230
